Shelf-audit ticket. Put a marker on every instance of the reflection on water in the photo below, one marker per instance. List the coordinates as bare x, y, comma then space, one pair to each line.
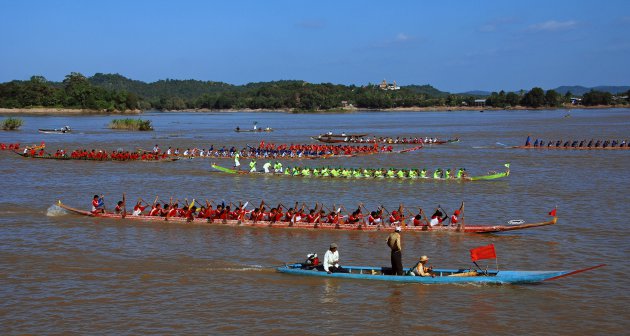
330, 290
61, 273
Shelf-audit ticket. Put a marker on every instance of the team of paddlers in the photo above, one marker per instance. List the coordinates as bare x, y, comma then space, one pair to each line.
293, 151
396, 140
341, 172
577, 143
100, 155
211, 211
270, 150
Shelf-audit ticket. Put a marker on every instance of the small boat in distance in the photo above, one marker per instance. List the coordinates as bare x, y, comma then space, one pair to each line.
63, 130
267, 129
255, 129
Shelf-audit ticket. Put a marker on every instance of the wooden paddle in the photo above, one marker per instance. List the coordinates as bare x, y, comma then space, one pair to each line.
124, 204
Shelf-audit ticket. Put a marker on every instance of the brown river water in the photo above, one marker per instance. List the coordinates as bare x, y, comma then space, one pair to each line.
65, 274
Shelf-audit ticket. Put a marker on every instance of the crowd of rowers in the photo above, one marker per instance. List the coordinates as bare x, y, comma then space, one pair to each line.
264, 151
100, 155
270, 150
577, 143
210, 211
396, 140
439, 173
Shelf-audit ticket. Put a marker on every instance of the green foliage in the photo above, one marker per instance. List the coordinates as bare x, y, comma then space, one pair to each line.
553, 98
534, 98
131, 124
11, 124
75, 91
596, 98
113, 92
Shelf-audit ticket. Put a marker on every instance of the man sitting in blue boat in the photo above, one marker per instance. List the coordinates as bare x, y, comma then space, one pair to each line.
331, 260
421, 268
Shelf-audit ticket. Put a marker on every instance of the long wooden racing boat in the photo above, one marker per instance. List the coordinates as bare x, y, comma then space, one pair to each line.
472, 228
442, 276
492, 176
48, 156
626, 147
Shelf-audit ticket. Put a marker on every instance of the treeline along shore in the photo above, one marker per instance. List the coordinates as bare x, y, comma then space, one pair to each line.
113, 93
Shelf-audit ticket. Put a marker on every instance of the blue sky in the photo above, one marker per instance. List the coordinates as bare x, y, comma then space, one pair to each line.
453, 45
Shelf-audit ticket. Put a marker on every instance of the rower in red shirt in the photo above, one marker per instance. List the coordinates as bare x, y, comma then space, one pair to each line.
156, 210
98, 204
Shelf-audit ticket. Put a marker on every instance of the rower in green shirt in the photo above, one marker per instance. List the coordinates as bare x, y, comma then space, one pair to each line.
437, 173
390, 173
447, 175
315, 171
401, 174
460, 173
413, 173
423, 173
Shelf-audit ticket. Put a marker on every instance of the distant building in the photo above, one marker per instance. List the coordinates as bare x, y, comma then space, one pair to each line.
480, 102
576, 101
385, 86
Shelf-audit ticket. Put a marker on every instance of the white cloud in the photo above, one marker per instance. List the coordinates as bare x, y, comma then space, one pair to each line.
552, 26
402, 37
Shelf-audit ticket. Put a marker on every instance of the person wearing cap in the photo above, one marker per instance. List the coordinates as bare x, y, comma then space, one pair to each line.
331, 260
393, 241
421, 268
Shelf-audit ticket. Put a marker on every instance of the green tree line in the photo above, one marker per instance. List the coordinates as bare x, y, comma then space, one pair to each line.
112, 92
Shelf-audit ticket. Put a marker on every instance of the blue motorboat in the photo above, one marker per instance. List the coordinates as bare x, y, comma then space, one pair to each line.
442, 276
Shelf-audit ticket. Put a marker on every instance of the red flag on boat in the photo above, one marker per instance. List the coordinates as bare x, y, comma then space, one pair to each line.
483, 252
552, 212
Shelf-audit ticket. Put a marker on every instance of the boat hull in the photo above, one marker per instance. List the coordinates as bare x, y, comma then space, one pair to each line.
420, 179
314, 226
571, 148
443, 276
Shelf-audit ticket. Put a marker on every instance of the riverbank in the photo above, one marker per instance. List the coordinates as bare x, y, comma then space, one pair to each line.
69, 111
62, 111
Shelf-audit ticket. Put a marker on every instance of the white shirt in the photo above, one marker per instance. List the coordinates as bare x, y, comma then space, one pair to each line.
434, 221
331, 259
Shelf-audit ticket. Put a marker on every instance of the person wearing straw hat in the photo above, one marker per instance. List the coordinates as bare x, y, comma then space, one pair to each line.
421, 268
393, 241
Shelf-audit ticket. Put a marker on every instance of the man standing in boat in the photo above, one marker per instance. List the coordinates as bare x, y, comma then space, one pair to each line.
393, 241
237, 163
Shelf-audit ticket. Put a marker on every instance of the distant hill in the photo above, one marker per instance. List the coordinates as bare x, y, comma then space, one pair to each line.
581, 90
425, 89
187, 89
476, 93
